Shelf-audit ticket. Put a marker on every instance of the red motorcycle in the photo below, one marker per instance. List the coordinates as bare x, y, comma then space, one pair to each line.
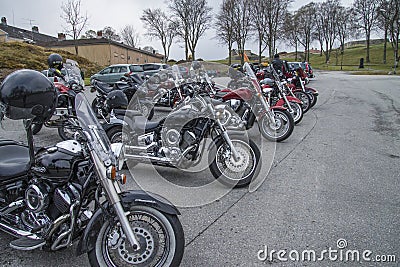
63, 117
248, 104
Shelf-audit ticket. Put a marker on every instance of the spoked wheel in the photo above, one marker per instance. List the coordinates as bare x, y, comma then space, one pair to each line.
235, 172
147, 110
313, 98
304, 97
160, 237
280, 130
297, 113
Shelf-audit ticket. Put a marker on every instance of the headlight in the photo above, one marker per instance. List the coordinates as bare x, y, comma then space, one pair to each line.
117, 149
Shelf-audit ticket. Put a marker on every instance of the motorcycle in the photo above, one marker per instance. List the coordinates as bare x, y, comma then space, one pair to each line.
51, 197
249, 104
131, 87
68, 87
274, 91
179, 140
298, 85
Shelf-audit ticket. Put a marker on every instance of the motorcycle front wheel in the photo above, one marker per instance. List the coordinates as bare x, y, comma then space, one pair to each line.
235, 172
297, 112
160, 236
68, 130
305, 98
280, 130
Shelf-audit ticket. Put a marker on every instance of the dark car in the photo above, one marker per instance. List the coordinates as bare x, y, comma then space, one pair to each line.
115, 73
152, 68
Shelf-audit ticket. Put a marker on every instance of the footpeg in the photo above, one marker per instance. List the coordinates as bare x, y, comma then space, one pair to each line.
25, 243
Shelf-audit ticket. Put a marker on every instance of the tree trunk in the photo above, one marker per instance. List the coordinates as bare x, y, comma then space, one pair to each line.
230, 54
385, 45
295, 47
259, 49
368, 44
76, 49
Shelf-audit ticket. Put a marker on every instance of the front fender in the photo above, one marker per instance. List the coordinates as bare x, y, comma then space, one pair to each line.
278, 107
128, 199
294, 99
311, 90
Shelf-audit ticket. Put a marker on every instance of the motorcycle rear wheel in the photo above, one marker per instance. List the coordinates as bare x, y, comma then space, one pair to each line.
160, 236
279, 131
230, 172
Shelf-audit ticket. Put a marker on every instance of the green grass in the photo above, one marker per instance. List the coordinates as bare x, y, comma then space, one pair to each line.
351, 60
17, 55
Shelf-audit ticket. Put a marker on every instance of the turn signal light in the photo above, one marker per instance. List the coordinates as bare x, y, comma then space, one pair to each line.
123, 179
112, 173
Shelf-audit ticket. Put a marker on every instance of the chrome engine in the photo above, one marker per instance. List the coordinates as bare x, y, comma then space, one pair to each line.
174, 145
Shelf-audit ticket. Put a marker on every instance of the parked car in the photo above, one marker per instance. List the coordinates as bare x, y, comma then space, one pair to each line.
115, 73
152, 68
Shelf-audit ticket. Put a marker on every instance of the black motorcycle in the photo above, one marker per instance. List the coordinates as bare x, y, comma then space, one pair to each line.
53, 196
179, 140
132, 88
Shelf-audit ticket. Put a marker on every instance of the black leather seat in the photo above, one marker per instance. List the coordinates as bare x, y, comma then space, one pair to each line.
14, 160
103, 87
142, 125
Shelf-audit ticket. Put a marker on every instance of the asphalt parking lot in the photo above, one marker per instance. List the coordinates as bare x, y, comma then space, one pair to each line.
334, 185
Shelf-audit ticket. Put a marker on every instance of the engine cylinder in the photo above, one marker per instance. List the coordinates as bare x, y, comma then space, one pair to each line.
37, 197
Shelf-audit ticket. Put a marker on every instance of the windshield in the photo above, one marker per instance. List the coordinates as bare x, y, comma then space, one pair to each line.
97, 137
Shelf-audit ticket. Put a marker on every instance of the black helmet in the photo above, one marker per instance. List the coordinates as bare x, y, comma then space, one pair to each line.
55, 61
28, 94
117, 99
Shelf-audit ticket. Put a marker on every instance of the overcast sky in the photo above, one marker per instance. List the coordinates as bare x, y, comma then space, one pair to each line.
115, 13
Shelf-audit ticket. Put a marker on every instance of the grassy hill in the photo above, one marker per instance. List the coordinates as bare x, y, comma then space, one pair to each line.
351, 60
16, 55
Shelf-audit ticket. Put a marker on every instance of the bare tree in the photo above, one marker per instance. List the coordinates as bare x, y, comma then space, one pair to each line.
224, 26
365, 13
242, 25
393, 8
159, 26
304, 21
276, 11
383, 24
259, 16
111, 34
130, 36
344, 28
195, 18
74, 20
290, 32
327, 19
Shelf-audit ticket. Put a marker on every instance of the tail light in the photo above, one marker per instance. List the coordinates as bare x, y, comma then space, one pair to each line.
55, 79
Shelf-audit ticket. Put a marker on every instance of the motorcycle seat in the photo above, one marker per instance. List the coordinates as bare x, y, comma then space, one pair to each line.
141, 124
14, 160
103, 87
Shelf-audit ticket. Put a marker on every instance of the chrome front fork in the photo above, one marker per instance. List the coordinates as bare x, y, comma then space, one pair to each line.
112, 188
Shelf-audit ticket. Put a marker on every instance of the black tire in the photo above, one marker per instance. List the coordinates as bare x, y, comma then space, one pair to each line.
224, 169
305, 98
152, 229
281, 130
115, 135
297, 112
36, 127
313, 98
95, 108
147, 110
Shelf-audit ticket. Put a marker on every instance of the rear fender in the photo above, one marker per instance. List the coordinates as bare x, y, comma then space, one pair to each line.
128, 199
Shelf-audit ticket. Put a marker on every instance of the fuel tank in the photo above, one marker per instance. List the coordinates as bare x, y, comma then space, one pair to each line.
56, 163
